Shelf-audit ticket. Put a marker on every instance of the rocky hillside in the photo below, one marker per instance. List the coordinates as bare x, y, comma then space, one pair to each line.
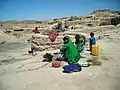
96, 18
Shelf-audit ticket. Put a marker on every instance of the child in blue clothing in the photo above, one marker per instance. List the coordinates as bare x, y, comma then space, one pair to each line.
92, 40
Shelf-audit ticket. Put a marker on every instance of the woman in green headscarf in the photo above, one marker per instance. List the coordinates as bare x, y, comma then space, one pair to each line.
80, 42
71, 54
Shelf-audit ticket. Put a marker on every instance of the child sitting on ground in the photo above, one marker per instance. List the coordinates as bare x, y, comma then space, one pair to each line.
79, 43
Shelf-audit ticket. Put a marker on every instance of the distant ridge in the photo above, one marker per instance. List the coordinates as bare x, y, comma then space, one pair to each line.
34, 21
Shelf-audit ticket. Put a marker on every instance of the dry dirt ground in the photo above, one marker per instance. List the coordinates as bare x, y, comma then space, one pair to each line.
20, 71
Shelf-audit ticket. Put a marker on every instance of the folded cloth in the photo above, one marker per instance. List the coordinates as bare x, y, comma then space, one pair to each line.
84, 63
71, 68
56, 64
58, 56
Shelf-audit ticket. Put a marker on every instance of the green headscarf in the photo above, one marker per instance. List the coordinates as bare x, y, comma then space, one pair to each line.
80, 46
71, 52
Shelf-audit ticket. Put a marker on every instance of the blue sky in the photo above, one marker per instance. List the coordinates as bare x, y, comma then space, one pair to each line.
48, 9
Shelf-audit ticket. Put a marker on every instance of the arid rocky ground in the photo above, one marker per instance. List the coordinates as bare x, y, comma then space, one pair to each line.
21, 71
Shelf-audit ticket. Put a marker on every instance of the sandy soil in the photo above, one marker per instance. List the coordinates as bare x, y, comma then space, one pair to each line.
20, 71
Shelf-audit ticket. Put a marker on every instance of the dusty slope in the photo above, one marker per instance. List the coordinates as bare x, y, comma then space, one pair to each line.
6, 37
3, 36
30, 74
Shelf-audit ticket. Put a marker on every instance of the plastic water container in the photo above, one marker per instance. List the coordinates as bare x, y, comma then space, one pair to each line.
95, 50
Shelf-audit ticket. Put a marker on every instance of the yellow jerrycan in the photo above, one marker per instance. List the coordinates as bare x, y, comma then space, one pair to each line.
95, 49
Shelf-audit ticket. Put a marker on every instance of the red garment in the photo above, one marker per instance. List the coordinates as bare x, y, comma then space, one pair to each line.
53, 36
56, 64
57, 33
36, 30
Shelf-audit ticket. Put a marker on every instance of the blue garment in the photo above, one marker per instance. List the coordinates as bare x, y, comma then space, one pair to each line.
92, 42
72, 68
